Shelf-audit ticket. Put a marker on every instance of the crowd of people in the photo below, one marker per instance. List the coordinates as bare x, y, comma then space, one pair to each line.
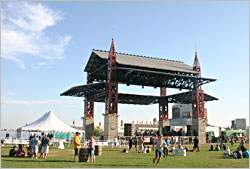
240, 153
37, 144
166, 133
161, 145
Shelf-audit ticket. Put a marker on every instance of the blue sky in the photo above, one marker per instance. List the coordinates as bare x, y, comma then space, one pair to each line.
46, 45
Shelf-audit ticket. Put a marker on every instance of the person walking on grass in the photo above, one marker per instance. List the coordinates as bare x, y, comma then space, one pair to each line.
196, 144
35, 143
165, 149
40, 146
130, 143
92, 149
45, 146
115, 142
135, 142
160, 143
77, 145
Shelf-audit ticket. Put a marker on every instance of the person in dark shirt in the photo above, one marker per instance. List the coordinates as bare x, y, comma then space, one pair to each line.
243, 148
238, 154
190, 140
45, 146
40, 145
211, 148
130, 143
7, 135
20, 152
12, 152
135, 142
224, 146
196, 144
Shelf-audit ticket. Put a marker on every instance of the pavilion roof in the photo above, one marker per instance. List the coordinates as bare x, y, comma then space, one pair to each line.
130, 60
97, 90
144, 71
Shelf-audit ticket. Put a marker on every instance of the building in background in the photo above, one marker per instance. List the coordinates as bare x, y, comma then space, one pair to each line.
233, 126
182, 119
140, 128
241, 124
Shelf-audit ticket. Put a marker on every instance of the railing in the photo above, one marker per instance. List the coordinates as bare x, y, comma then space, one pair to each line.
15, 141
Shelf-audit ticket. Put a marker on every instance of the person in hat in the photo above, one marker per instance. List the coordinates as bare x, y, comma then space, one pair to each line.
77, 145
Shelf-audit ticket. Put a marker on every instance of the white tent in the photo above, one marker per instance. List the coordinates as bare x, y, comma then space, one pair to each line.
215, 129
48, 122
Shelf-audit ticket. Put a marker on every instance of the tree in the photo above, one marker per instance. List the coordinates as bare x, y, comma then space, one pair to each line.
98, 131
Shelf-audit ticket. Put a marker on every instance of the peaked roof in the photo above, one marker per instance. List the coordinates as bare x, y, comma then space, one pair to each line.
140, 61
49, 122
196, 65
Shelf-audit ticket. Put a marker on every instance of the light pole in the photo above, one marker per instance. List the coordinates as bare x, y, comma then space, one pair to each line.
84, 121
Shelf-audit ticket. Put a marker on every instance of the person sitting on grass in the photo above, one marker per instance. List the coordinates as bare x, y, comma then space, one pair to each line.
172, 148
242, 147
224, 146
217, 148
227, 153
145, 149
12, 152
180, 147
211, 148
20, 152
125, 150
238, 154
148, 150
246, 154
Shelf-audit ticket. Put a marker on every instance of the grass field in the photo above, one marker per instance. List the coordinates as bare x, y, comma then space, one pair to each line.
113, 158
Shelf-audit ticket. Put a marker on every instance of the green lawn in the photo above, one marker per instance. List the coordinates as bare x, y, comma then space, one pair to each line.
113, 158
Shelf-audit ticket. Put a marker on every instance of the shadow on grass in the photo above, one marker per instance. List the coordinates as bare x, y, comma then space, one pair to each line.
80, 163
6, 156
116, 165
43, 161
110, 150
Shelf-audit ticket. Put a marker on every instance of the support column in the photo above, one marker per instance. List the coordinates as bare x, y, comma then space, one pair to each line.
111, 98
198, 112
163, 112
89, 112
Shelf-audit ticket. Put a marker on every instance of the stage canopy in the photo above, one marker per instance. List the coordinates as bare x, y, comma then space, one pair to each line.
97, 91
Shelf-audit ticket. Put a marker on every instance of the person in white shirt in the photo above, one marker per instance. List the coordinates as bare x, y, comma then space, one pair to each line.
227, 153
160, 143
115, 141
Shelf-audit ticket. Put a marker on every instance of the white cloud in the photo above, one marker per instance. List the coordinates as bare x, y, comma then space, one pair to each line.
11, 93
42, 63
36, 102
71, 106
24, 33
